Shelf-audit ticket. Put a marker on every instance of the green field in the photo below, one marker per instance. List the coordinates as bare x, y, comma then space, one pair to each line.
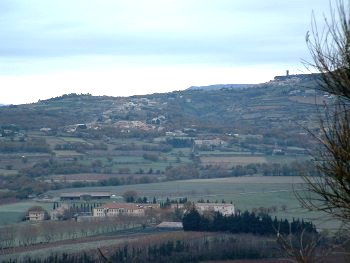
245, 192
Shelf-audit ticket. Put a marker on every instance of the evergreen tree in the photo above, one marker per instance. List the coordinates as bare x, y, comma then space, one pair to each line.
192, 220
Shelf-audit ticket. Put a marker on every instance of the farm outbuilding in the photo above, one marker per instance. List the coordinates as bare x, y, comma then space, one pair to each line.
85, 196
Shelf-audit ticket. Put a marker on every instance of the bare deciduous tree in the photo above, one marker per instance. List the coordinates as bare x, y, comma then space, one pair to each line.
47, 231
7, 237
330, 51
304, 247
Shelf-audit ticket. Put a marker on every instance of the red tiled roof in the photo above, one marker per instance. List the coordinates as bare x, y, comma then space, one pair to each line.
121, 205
214, 204
36, 209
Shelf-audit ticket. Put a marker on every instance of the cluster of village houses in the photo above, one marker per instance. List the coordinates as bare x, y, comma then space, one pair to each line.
111, 208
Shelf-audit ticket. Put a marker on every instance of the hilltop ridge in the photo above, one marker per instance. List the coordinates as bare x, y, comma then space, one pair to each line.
274, 102
222, 86
295, 78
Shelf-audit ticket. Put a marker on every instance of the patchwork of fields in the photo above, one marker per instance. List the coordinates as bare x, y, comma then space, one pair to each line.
119, 157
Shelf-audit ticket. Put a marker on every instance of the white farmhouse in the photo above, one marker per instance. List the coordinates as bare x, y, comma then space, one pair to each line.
37, 213
116, 209
224, 209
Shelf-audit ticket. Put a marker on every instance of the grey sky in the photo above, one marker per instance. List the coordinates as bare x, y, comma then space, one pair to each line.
52, 47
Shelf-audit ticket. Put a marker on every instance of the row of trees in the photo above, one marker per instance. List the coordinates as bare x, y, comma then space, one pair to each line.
181, 171
170, 247
244, 223
162, 147
21, 186
295, 168
30, 145
56, 167
81, 147
179, 142
51, 231
266, 169
216, 248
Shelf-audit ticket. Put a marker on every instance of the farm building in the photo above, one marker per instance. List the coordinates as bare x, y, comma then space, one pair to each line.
209, 142
116, 209
37, 213
85, 196
177, 206
224, 209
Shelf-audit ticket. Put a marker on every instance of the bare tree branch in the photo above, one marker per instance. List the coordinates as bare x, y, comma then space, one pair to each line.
330, 52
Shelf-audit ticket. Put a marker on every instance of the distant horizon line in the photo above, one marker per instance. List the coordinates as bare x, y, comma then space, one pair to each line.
2, 104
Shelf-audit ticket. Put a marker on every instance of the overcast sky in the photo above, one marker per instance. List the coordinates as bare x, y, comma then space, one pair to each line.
130, 47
